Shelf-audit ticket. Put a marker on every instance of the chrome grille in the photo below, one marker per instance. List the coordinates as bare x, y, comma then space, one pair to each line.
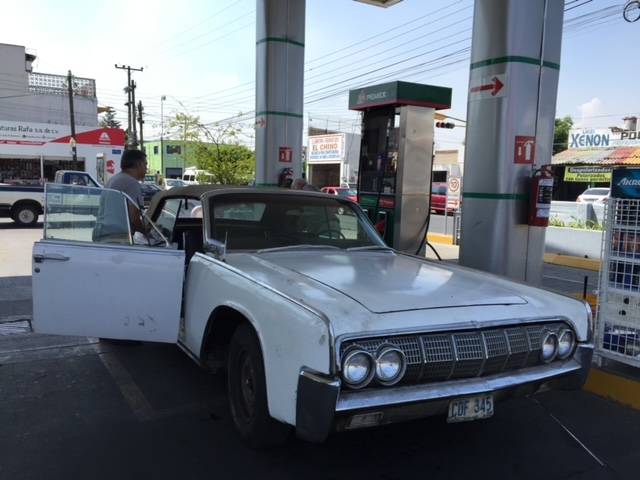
464, 354
469, 354
439, 358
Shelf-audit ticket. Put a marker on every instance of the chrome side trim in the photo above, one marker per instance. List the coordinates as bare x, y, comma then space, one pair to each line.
115, 246
349, 401
319, 314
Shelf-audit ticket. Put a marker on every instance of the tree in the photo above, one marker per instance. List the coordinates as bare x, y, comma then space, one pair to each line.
229, 162
109, 120
561, 134
186, 128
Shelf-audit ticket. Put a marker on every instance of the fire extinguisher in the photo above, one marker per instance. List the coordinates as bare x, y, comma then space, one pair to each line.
540, 197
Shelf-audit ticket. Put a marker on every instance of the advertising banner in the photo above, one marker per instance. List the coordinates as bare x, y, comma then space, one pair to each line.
587, 174
324, 148
625, 183
603, 138
27, 133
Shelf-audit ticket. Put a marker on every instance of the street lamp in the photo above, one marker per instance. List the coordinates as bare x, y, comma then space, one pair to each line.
162, 99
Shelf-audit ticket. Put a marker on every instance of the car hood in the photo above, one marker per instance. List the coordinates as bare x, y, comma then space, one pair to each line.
380, 281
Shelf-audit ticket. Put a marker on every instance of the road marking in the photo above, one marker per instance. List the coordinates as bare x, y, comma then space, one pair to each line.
132, 394
571, 434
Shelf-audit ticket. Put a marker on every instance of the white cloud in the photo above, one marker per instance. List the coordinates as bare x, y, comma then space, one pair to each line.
590, 113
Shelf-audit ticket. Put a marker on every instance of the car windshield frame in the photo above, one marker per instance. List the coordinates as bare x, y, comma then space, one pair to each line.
275, 202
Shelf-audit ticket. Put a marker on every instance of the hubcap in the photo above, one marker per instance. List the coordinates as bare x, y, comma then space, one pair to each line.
26, 216
247, 385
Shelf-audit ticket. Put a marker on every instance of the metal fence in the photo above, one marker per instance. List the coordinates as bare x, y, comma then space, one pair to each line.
618, 316
46, 83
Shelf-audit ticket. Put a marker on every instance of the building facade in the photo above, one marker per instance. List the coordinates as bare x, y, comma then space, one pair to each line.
591, 156
169, 157
35, 124
332, 159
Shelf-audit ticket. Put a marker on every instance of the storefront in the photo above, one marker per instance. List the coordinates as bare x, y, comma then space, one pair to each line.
332, 159
31, 153
591, 156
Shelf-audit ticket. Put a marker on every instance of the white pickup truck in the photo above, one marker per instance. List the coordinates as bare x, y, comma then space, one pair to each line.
24, 203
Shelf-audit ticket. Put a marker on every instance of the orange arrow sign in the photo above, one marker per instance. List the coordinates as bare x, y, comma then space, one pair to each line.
495, 86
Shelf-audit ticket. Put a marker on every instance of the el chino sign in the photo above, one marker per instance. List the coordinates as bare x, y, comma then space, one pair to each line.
326, 148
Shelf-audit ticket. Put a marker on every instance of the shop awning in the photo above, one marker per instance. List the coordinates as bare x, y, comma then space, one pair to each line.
598, 156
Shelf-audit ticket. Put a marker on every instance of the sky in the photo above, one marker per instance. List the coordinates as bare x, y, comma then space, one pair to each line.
201, 55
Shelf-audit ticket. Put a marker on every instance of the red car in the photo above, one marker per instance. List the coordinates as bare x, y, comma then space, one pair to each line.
439, 198
349, 193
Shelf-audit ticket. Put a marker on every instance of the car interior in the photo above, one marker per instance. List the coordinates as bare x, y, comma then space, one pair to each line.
247, 223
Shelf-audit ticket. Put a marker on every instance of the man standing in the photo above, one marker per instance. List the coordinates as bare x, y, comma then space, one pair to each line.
109, 227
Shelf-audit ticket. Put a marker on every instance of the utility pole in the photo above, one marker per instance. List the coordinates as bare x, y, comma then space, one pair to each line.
141, 122
133, 114
162, 99
132, 141
72, 118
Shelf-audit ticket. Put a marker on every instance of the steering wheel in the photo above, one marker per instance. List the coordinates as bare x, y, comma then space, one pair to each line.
330, 231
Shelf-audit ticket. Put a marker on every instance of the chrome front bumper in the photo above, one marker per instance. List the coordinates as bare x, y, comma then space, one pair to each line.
322, 407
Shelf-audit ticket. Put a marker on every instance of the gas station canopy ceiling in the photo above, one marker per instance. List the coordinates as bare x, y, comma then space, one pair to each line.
380, 3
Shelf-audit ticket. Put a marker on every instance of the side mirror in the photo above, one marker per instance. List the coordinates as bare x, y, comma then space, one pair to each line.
218, 249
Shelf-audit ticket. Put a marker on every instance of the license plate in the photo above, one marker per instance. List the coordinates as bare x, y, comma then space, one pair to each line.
470, 408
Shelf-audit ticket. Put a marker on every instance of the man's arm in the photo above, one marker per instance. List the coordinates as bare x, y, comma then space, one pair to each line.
135, 219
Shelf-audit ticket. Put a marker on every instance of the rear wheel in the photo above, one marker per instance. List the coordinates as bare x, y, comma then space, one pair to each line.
248, 394
25, 215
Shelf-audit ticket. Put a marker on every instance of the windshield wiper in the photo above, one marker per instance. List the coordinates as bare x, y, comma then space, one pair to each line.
302, 246
369, 247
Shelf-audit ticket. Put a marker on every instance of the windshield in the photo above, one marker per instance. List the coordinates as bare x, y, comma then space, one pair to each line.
264, 221
597, 191
347, 192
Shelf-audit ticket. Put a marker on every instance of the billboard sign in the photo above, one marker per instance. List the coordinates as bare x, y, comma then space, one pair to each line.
587, 174
625, 183
603, 138
326, 148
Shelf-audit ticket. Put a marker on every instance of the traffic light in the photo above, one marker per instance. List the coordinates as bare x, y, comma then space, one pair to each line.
444, 125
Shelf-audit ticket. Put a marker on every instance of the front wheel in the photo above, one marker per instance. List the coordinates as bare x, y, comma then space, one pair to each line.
248, 394
25, 215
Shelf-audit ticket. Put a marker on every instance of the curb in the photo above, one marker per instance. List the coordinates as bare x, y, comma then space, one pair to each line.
439, 238
18, 281
571, 261
613, 387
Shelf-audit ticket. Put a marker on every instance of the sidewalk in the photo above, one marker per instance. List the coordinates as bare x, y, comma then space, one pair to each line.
15, 270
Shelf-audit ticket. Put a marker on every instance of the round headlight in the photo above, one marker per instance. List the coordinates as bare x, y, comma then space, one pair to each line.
549, 347
357, 368
390, 365
566, 342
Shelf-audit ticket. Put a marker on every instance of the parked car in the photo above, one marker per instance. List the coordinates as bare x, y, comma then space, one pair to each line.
319, 325
148, 191
170, 183
440, 200
346, 192
24, 203
597, 196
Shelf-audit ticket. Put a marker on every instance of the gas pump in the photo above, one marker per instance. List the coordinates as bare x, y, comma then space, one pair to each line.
396, 155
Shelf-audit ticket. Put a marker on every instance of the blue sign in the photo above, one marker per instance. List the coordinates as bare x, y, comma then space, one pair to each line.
116, 151
625, 183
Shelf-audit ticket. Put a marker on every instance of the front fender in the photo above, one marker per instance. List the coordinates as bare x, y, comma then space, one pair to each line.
292, 335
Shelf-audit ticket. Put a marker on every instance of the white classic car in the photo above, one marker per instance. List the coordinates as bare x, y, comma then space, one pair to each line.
319, 325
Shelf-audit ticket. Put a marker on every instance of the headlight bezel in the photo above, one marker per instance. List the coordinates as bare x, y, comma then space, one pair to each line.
384, 350
572, 346
348, 355
547, 335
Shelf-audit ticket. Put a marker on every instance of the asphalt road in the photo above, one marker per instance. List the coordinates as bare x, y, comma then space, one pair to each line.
75, 408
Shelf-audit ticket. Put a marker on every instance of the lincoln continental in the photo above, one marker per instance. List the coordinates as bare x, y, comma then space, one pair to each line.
319, 326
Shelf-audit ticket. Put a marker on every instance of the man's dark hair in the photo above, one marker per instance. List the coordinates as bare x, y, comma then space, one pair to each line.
132, 158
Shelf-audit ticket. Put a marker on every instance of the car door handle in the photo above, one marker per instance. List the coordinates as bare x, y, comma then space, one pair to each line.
40, 257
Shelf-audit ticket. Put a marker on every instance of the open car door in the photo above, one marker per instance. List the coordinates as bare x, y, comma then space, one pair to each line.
89, 279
